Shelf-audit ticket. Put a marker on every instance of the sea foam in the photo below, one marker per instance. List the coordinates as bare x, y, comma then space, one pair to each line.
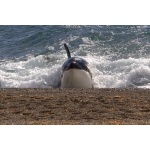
45, 72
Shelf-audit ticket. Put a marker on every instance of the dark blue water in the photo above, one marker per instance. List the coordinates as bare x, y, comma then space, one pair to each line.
32, 56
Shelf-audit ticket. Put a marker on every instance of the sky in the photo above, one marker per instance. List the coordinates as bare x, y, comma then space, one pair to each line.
74, 12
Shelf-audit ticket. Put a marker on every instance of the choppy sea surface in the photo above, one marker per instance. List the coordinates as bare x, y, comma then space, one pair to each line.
32, 56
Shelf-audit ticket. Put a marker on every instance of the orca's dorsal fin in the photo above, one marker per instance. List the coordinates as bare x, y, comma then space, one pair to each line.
68, 52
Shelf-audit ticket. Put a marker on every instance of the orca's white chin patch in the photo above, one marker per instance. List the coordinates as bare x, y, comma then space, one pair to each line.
76, 78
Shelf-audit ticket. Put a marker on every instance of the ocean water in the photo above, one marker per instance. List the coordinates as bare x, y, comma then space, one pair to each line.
32, 56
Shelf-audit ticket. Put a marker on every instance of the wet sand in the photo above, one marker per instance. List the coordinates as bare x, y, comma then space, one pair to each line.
74, 106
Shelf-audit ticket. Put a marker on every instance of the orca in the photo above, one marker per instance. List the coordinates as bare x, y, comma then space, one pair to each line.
75, 72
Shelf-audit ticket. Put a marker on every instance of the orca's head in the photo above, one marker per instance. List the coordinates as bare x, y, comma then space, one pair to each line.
76, 63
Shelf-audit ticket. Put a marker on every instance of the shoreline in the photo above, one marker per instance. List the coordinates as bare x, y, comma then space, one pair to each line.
74, 106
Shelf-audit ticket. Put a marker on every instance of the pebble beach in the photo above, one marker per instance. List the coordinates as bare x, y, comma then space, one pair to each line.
33, 106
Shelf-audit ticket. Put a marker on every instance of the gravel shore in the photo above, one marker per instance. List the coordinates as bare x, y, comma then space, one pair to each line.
74, 106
